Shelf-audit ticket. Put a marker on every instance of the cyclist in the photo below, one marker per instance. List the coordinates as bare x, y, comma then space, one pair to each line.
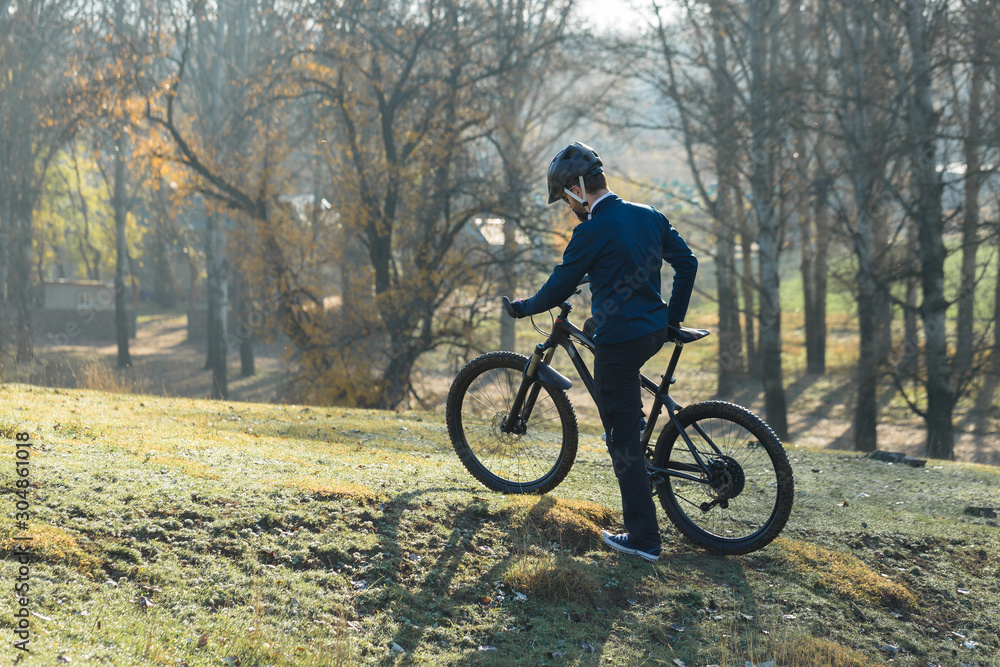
621, 246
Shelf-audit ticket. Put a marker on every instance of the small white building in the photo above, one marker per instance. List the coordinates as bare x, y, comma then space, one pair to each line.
80, 295
75, 311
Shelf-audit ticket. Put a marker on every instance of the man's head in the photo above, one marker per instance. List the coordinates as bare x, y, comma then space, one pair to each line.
574, 171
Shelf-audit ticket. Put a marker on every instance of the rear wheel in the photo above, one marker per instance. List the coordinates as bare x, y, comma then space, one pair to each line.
744, 500
532, 459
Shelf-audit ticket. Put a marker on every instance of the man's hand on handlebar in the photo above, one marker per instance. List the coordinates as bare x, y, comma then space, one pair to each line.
514, 308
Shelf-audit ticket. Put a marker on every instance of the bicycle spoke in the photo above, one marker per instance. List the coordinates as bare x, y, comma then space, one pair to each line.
505, 451
741, 493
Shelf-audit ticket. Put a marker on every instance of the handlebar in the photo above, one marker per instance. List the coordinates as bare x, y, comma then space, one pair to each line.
675, 334
509, 309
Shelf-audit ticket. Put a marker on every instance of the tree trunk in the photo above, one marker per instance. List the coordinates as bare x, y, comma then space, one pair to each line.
5, 225
866, 404
730, 359
813, 250
508, 332
819, 268
210, 308
768, 224
858, 59
214, 246
217, 307
911, 315
874, 313
396, 380
748, 283
928, 187
807, 269
163, 276
248, 366
970, 224
730, 365
21, 283
995, 355
120, 205
244, 331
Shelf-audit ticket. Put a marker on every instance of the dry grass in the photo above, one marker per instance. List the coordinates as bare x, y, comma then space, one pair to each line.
542, 525
336, 490
572, 524
99, 375
806, 651
761, 640
49, 544
190, 468
554, 579
843, 574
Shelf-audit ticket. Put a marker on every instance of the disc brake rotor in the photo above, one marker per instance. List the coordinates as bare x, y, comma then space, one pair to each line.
728, 478
501, 435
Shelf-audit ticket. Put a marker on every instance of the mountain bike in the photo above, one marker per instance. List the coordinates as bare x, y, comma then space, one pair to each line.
719, 471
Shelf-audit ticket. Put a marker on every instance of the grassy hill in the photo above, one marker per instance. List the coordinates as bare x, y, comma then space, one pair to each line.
179, 531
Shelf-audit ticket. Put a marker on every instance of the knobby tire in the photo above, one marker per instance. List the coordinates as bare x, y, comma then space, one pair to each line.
478, 403
758, 513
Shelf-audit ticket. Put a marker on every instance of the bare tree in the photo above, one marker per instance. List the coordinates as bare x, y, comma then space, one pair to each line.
531, 114
810, 80
39, 112
120, 204
860, 46
409, 98
226, 124
969, 61
764, 117
218, 285
701, 85
922, 22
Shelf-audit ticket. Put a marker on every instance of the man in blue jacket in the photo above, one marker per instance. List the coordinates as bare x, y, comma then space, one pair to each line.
621, 246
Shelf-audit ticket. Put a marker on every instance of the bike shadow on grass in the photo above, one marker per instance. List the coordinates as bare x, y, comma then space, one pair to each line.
442, 591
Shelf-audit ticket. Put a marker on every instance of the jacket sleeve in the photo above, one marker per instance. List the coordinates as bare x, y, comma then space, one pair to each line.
566, 277
685, 265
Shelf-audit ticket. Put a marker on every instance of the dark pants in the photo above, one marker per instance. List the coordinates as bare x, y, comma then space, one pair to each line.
619, 399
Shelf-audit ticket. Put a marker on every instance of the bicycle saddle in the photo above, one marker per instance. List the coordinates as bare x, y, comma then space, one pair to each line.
686, 335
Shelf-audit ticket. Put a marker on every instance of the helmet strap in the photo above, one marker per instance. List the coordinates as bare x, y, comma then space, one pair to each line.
583, 191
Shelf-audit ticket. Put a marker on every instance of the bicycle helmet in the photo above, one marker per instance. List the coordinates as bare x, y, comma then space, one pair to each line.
571, 163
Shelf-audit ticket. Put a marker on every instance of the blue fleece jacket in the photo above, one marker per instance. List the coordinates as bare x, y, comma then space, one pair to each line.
622, 247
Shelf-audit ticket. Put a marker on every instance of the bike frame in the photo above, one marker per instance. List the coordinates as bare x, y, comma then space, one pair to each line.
565, 334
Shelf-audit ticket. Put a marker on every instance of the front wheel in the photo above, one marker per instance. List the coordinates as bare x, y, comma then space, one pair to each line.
745, 498
532, 459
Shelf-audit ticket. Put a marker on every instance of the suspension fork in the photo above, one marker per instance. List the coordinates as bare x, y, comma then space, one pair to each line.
524, 401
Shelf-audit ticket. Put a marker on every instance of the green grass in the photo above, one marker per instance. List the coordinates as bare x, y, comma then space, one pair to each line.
178, 531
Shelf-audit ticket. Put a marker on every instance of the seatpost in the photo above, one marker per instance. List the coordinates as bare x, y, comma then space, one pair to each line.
668, 377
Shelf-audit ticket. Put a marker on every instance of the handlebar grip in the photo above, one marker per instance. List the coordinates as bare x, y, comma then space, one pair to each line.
509, 309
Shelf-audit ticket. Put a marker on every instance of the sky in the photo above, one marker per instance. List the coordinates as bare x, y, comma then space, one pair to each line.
612, 14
